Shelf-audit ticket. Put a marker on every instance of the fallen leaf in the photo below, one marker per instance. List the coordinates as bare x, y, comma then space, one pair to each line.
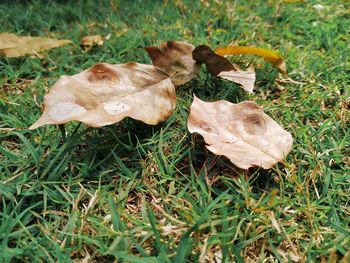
223, 68
242, 132
245, 78
88, 42
105, 94
12, 45
175, 58
269, 55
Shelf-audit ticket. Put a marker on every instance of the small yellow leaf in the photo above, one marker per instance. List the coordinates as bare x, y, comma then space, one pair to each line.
269, 55
12, 45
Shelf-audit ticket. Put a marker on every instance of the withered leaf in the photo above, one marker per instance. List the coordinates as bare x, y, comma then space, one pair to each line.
88, 42
222, 67
242, 132
269, 55
105, 94
12, 45
175, 58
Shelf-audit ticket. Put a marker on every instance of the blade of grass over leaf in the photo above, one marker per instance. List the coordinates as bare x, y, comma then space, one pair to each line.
269, 55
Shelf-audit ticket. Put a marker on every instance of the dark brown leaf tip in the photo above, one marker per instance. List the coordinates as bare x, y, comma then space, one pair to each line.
201, 53
215, 63
102, 73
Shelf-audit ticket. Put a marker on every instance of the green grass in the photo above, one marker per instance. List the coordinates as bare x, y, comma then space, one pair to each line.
136, 193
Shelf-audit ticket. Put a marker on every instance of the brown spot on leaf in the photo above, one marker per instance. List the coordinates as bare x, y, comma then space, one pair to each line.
131, 64
250, 105
207, 128
254, 124
102, 73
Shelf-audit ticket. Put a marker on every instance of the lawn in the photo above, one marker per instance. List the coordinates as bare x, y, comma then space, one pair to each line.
132, 192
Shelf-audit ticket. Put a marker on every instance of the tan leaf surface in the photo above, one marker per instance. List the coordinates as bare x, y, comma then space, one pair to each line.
12, 45
175, 58
269, 55
105, 94
223, 68
242, 132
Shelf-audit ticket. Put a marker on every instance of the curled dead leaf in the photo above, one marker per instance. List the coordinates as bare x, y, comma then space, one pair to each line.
269, 55
223, 68
175, 58
12, 45
88, 42
105, 94
242, 132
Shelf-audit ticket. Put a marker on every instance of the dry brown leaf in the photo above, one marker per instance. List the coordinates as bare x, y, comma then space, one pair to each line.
221, 67
242, 132
88, 42
105, 94
269, 55
12, 45
175, 58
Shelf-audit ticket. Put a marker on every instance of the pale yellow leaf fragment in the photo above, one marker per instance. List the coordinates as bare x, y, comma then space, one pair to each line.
245, 78
269, 55
105, 94
175, 58
12, 45
242, 132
